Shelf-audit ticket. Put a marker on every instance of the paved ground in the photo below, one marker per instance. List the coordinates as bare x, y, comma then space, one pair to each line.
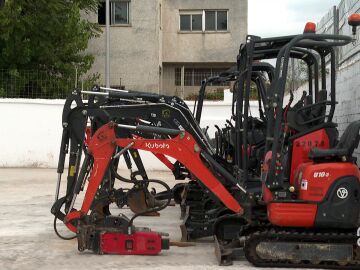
27, 240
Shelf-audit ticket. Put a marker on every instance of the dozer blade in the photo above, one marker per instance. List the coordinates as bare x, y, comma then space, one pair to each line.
141, 200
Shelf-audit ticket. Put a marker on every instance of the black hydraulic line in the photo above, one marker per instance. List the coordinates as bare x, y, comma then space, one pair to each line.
152, 129
74, 97
311, 84
218, 141
244, 148
72, 171
239, 121
316, 77
235, 87
82, 174
195, 104
260, 86
155, 209
332, 85
135, 95
127, 160
144, 181
229, 122
64, 148
220, 169
323, 72
56, 230
200, 102
134, 153
158, 130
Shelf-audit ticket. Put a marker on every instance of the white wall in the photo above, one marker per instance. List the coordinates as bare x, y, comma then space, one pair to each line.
31, 131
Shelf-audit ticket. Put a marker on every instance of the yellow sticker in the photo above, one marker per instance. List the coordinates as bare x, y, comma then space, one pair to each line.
72, 171
134, 155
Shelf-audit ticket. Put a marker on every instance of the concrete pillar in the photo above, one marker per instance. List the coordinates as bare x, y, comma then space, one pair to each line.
182, 82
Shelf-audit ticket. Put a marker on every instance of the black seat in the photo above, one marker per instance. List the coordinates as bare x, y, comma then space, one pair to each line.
344, 150
305, 114
299, 116
319, 110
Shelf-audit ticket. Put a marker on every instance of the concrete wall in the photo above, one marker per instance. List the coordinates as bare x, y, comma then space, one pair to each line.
31, 131
203, 47
348, 73
135, 49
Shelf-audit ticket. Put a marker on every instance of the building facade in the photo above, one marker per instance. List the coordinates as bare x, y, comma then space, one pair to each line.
169, 46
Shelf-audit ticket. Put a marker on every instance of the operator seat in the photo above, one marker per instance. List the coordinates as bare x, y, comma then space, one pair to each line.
345, 148
319, 110
296, 116
305, 114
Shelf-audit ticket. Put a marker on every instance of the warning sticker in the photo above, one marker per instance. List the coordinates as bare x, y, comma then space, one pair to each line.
72, 171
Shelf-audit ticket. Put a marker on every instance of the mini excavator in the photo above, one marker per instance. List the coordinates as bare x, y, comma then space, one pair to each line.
297, 207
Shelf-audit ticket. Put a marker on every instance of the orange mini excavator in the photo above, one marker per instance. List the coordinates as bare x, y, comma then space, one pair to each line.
304, 211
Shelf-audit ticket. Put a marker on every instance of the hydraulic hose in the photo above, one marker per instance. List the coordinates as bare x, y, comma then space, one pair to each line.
144, 181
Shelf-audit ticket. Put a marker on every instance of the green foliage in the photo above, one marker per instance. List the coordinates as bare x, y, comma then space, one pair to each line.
253, 91
216, 95
47, 36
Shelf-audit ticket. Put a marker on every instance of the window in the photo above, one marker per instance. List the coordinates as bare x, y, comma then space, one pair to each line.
221, 21
196, 22
191, 22
119, 13
177, 76
189, 77
194, 76
210, 20
185, 22
216, 20
201, 74
204, 20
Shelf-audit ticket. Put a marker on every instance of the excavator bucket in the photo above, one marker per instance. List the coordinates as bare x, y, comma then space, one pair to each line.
141, 200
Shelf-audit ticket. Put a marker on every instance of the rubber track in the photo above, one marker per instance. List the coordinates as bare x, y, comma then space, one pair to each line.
292, 235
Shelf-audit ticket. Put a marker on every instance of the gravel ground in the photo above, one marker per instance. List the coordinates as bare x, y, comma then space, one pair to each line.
27, 240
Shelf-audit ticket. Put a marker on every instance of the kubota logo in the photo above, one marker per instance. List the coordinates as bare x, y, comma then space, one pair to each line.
342, 193
157, 145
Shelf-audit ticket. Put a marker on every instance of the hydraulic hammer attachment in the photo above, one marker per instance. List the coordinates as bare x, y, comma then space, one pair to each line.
112, 237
